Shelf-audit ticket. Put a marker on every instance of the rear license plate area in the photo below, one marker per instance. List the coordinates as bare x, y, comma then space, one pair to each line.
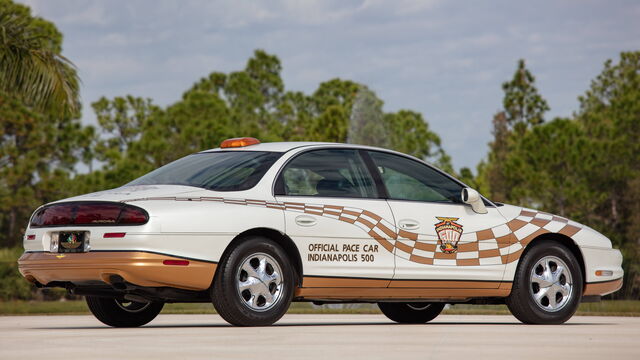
73, 241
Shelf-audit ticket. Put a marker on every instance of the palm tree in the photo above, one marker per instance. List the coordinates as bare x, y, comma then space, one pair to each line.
34, 72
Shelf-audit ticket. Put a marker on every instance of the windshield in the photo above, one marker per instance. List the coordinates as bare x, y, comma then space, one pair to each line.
218, 171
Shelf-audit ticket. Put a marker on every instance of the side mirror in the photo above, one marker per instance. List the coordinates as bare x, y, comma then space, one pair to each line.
473, 198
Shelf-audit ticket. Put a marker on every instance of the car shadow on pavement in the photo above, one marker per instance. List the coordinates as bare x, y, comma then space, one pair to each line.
204, 325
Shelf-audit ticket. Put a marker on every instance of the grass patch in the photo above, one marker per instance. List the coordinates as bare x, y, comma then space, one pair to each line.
611, 308
603, 308
79, 307
464, 309
21, 307
295, 308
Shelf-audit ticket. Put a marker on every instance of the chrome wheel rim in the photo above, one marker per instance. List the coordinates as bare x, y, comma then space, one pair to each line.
551, 284
259, 282
132, 306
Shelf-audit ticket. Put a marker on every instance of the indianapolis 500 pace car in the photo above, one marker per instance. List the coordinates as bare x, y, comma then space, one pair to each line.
252, 227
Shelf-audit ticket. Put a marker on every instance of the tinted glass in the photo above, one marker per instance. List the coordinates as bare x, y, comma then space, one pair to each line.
219, 171
328, 173
406, 179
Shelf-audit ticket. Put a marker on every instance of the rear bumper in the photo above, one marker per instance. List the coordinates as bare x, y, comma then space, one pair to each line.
136, 267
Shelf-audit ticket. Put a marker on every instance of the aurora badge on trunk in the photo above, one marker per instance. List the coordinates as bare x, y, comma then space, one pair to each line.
449, 233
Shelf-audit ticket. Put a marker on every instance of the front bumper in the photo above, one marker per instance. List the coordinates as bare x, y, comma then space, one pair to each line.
603, 270
602, 288
136, 267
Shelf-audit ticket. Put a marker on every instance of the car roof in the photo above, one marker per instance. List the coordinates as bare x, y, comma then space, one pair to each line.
290, 145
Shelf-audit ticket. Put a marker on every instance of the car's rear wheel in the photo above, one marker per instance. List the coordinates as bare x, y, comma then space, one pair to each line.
254, 284
122, 313
411, 313
548, 285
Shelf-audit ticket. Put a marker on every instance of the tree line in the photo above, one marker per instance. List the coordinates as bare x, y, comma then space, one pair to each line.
585, 167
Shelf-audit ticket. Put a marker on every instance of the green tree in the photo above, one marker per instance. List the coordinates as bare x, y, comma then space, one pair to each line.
296, 112
31, 64
610, 115
499, 149
523, 105
547, 169
524, 109
588, 168
366, 124
136, 136
333, 102
122, 121
336, 92
39, 145
253, 96
409, 133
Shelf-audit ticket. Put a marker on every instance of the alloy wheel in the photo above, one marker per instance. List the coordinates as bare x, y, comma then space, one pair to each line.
259, 282
551, 284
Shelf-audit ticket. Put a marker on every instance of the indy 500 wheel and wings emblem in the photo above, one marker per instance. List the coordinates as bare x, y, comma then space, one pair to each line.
449, 233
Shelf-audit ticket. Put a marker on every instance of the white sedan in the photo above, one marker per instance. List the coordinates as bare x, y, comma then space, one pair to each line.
252, 227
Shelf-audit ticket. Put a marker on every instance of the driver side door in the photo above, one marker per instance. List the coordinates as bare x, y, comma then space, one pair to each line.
441, 241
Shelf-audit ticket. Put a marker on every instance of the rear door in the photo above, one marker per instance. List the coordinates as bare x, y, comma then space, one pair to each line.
332, 212
441, 241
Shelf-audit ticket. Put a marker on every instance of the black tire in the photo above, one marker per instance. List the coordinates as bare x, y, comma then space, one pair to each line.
411, 313
553, 307
116, 313
250, 307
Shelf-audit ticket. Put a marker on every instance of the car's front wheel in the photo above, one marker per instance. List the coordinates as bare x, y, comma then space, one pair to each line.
122, 313
411, 313
254, 283
548, 285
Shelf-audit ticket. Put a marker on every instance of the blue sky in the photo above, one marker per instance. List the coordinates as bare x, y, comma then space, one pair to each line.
445, 59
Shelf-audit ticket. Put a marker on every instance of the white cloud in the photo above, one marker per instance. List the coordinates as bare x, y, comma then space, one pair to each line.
115, 67
93, 14
401, 7
315, 12
444, 59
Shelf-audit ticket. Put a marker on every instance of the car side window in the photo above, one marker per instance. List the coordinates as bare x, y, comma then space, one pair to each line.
407, 179
328, 173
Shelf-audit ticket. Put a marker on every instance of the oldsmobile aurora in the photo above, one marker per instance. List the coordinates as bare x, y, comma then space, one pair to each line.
252, 227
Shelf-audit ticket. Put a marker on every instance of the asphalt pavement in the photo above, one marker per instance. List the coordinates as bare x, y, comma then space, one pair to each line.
327, 337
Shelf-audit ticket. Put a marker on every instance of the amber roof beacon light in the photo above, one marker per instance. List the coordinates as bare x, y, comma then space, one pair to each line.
239, 142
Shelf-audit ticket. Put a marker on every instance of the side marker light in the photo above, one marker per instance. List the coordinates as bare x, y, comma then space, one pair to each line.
114, 235
604, 273
176, 262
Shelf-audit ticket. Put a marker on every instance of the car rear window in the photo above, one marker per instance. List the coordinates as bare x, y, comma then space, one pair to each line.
218, 171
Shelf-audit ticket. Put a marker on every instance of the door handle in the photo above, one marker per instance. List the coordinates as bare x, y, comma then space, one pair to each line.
305, 220
408, 224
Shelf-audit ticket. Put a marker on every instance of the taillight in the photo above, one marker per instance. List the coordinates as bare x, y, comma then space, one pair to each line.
55, 215
97, 213
133, 215
89, 213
